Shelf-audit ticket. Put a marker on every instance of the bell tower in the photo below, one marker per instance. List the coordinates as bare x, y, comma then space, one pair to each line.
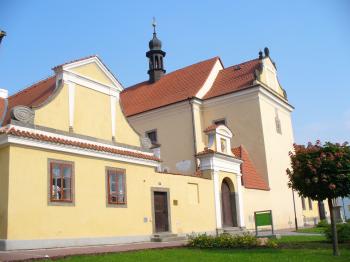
155, 56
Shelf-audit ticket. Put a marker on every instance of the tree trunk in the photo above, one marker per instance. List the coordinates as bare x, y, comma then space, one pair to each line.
334, 229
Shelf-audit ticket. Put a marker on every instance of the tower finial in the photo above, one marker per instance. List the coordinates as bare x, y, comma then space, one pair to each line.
154, 24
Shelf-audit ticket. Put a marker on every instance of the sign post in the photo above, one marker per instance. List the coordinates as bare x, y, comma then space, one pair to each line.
263, 218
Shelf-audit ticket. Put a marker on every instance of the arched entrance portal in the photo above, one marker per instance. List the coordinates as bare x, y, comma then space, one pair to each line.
228, 204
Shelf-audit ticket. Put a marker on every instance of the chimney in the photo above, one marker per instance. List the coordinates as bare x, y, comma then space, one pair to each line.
4, 94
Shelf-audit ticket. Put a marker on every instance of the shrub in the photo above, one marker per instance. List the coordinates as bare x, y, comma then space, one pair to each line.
343, 231
323, 223
246, 240
271, 243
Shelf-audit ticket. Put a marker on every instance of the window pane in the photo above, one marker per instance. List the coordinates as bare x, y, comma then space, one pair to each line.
67, 171
112, 183
56, 171
66, 194
120, 184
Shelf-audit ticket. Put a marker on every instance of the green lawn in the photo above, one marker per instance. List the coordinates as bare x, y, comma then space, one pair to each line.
318, 230
292, 248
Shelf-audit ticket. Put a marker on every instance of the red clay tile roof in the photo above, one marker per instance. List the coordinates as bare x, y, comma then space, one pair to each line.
56, 140
206, 151
31, 96
250, 176
2, 108
210, 128
171, 88
234, 78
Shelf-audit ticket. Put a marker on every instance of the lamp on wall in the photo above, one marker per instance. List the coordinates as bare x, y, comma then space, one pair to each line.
2, 34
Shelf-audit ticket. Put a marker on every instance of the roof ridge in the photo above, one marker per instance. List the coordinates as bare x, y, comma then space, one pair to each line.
76, 60
32, 86
177, 70
246, 62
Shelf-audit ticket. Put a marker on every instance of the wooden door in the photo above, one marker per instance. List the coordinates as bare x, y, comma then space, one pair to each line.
227, 219
161, 212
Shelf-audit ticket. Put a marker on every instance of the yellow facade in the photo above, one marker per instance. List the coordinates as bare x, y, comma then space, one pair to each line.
91, 216
4, 189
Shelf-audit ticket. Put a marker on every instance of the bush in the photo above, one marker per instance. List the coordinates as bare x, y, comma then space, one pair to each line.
343, 233
323, 223
223, 241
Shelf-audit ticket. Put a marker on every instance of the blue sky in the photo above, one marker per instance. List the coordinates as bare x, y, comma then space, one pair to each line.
309, 40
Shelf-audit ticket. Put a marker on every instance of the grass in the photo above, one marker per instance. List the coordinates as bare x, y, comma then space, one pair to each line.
292, 248
318, 230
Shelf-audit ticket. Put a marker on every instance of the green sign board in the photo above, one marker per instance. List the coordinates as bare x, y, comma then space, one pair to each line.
263, 219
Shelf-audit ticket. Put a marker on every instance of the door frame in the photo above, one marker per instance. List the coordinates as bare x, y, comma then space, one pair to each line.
167, 191
234, 204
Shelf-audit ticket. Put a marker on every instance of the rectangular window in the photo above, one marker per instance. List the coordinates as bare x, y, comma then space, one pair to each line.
61, 175
303, 203
152, 135
223, 145
310, 203
220, 122
116, 186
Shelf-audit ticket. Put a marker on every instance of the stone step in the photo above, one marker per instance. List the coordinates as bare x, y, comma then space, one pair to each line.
234, 230
167, 238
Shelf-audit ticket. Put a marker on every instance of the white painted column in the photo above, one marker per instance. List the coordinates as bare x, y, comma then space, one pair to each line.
71, 102
217, 199
113, 114
239, 202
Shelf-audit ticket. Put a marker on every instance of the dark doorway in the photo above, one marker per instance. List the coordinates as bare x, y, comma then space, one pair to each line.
161, 220
228, 202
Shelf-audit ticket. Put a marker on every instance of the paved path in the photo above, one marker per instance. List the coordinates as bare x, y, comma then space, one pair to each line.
61, 252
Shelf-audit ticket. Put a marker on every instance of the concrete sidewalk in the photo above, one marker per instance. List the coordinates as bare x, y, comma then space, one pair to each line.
61, 252
68, 251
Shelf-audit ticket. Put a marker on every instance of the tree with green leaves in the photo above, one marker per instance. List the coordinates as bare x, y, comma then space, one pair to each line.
321, 172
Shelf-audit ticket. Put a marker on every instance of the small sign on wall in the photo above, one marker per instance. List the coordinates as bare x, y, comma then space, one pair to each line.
175, 202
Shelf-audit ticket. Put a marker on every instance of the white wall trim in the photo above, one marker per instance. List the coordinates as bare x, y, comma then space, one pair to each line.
90, 83
210, 80
71, 101
217, 200
251, 92
239, 202
75, 150
100, 64
220, 163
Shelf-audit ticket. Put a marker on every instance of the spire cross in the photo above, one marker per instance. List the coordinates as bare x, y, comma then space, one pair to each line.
154, 24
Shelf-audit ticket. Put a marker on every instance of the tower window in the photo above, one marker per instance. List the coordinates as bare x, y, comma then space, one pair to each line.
152, 135
157, 62
278, 122
303, 203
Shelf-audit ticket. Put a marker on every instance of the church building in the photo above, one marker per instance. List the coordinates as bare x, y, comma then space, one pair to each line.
85, 161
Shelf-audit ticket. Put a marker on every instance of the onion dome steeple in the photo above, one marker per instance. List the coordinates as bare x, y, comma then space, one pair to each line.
155, 56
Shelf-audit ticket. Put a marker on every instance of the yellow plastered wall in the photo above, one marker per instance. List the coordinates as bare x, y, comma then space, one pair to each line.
310, 214
92, 113
244, 120
90, 217
269, 77
55, 114
174, 131
92, 71
4, 179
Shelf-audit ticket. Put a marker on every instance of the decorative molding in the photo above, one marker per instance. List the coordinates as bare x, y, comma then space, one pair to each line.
101, 65
90, 83
23, 114
71, 102
218, 162
75, 150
